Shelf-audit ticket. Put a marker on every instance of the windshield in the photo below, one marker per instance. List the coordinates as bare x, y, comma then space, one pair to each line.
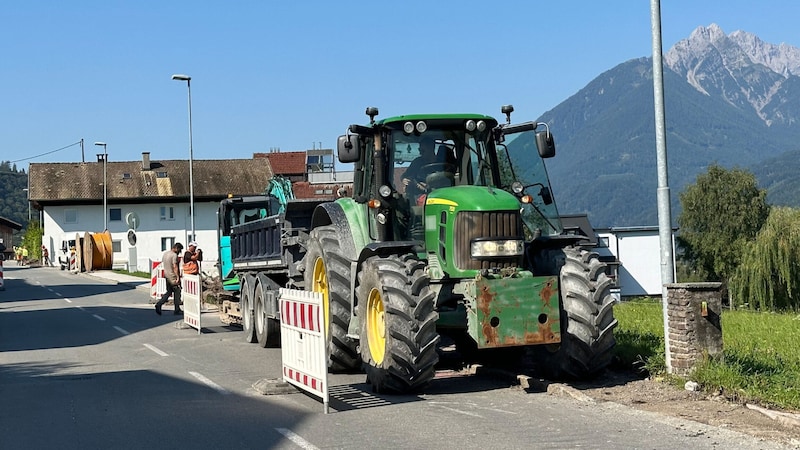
527, 167
440, 158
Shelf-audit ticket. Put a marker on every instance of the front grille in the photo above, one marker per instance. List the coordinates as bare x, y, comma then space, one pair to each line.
478, 224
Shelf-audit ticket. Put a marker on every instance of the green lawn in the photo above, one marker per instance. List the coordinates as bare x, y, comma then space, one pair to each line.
761, 356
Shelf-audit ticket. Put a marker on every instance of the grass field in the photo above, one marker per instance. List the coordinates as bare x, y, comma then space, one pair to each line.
761, 361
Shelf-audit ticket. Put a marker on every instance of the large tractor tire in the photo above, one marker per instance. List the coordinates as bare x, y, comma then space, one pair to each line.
587, 319
268, 329
398, 323
328, 271
246, 294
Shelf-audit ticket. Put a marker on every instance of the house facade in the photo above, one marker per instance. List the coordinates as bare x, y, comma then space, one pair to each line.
638, 250
7, 229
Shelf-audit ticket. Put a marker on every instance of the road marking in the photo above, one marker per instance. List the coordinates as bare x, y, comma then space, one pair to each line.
98, 318
67, 300
209, 383
51, 290
460, 412
156, 350
302, 443
59, 294
121, 330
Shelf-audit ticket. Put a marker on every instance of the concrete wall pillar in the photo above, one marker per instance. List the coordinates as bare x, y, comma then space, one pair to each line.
694, 326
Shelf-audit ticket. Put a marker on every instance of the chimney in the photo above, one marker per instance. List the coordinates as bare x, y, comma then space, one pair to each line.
145, 160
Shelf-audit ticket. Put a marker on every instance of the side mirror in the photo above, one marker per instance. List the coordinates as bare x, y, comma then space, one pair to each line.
545, 144
349, 148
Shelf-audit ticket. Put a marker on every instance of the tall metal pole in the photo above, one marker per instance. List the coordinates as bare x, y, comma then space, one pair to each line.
105, 185
664, 212
188, 81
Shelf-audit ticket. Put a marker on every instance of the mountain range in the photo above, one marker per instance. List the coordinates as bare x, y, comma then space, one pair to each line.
732, 100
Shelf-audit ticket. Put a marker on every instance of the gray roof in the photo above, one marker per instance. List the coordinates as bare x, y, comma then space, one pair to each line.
52, 183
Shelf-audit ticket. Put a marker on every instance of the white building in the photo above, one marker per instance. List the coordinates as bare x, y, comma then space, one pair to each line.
638, 249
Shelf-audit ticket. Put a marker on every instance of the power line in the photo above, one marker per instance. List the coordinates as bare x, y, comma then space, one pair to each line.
44, 154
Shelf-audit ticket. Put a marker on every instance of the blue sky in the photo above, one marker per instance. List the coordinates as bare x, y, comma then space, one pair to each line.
293, 75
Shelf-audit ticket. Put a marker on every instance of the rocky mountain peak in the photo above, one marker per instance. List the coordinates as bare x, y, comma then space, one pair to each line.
739, 68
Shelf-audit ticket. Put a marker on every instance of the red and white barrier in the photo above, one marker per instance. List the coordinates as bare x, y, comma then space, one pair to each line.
158, 284
190, 295
2, 283
303, 347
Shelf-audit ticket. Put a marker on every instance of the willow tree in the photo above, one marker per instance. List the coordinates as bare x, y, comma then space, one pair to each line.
720, 213
768, 277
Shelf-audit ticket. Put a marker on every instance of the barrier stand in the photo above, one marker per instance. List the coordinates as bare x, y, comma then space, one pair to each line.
303, 350
190, 287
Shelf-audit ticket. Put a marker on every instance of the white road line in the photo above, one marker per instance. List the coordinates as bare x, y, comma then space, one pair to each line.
51, 290
121, 330
59, 294
460, 412
156, 350
210, 383
302, 443
98, 318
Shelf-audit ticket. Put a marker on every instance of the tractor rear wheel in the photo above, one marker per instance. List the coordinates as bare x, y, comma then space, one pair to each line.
587, 319
398, 323
328, 271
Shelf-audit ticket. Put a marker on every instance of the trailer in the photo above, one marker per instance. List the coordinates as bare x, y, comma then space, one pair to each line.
261, 246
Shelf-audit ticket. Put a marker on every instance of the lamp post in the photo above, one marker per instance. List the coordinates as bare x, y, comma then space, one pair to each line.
105, 185
29, 202
188, 80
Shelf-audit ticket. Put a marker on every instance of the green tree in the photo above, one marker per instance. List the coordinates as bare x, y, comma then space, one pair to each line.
32, 240
768, 277
720, 213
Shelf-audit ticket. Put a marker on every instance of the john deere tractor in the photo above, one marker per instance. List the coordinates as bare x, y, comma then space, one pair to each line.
468, 250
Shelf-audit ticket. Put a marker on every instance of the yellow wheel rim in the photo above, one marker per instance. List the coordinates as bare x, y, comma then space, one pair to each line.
376, 326
319, 283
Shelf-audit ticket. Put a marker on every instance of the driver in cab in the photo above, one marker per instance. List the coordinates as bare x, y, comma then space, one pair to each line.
427, 162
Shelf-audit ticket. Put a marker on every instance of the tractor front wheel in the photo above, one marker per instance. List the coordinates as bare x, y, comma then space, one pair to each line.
398, 323
587, 319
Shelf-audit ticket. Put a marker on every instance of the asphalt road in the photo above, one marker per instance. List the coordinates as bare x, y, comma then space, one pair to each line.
86, 364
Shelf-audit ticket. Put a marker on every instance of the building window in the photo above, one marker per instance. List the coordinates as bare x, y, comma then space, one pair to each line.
70, 216
116, 246
167, 243
167, 213
602, 242
161, 174
126, 176
115, 214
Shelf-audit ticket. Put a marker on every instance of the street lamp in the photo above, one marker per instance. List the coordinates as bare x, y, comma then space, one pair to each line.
188, 80
29, 202
105, 185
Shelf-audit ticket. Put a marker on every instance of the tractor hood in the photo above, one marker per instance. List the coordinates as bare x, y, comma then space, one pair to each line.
472, 198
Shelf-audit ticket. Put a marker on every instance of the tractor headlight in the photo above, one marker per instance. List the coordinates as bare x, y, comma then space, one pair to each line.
471, 125
421, 127
517, 187
497, 248
408, 127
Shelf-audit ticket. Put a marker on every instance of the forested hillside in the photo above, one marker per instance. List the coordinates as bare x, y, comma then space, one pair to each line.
13, 199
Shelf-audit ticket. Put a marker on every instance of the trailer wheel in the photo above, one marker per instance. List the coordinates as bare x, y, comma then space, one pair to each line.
398, 323
587, 319
268, 329
328, 271
246, 305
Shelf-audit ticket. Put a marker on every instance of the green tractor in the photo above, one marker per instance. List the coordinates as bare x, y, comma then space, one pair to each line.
452, 234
